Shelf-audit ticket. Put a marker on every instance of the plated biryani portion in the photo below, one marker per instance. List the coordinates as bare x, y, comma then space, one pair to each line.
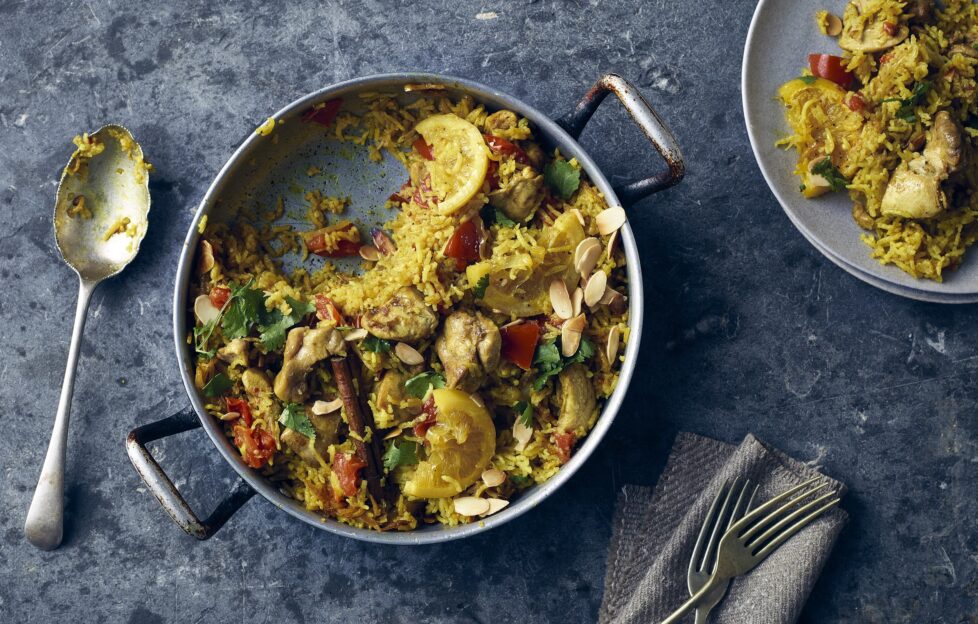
893, 120
460, 360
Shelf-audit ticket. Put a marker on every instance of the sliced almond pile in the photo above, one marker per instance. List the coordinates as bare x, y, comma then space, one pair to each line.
612, 243
383, 242
321, 408
611, 348
580, 216
493, 477
205, 260
586, 255
615, 301
577, 300
609, 220
595, 288
570, 335
230, 416
204, 310
496, 504
369, 253
560, 299
522, 434
833, 25
355, 334
408, 354
471, 506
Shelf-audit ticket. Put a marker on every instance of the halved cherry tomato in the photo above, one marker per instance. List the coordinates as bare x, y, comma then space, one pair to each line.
326, 310
219, 296
830, 67
347, 469
463, 246
316, 240
520, 342
430, 412
564, 442
855, 102
241, 407
256, 445
499, 145
325, 115
423, 148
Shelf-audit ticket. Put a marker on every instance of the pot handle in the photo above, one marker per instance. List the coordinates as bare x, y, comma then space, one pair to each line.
162, 487
646, 119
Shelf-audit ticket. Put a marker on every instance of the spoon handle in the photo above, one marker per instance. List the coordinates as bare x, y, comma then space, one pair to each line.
45, 518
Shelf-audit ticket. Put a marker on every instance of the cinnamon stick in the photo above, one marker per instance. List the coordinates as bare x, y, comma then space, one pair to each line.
360, 420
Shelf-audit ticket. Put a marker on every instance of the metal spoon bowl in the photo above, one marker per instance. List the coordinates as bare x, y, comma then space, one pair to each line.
100, 219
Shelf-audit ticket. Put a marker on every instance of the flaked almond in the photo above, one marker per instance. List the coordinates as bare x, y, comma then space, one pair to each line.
205, 311
321, 408
610, 219
493, 477
394, 433
560, 299
496, 504
230, 416
383, 242
595, 288
471, 506
615, 301
833, 25
586, 255
355, 334
522, 434
612, 243
611, 348
408, 354
580, 216
577, 299
369, 253
205, 259
570, 335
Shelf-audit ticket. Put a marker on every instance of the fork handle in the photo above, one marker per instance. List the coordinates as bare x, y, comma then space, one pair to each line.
690, 604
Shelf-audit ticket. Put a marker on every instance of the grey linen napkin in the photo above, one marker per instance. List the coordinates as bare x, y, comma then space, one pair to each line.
655, 530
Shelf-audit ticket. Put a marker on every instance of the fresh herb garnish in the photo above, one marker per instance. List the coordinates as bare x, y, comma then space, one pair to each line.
243, 310
549, 362
217, 386
404, 455
525, 413
809, 80
562, 177
907, 105
376, 345
491, 214
520, 481
418, 385
479, 290
274, 324
201, 335
294, 417
833, 176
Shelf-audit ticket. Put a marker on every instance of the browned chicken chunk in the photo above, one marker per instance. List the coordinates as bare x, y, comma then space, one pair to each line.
389, 395
521, 195
468, 348
576, 398
405, 317
327, 428
304, 348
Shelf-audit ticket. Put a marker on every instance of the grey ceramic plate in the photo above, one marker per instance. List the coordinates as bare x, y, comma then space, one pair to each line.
782, 34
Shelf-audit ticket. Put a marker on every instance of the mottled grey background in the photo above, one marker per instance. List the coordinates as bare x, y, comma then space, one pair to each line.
747, 327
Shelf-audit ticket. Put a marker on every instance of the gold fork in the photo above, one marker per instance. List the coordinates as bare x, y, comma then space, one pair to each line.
747, 542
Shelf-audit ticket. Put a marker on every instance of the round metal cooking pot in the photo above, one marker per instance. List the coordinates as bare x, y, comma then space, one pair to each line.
266, 167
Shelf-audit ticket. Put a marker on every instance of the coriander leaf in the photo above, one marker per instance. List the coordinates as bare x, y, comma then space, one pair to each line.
549, 362
376, 345
479, 290
833, 176
809, 80
201, 335
491, 215
562, 177
217, 386
404, 455
584, 352
525, 413
906, 111
276, 324
520, 481
418, 385
547, 354
294, 417
244, 309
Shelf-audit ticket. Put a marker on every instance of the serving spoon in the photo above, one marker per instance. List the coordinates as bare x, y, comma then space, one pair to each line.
100, 218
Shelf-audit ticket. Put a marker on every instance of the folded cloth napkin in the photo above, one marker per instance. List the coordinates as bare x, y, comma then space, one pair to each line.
655, 530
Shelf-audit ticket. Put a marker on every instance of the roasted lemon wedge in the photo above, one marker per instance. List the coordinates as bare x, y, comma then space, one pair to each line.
462, 441
460, 160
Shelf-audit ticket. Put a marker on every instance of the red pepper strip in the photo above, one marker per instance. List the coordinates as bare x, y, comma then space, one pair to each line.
499, 145
326, 310
520, 342
463, 246
325, 115
239, 406
565, 444
423, 148
347, 469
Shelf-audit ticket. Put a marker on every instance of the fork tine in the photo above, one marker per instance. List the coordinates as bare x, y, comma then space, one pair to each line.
708, 522
740, 509
709, 557
744, 532
774, 501
787, 520
797, 526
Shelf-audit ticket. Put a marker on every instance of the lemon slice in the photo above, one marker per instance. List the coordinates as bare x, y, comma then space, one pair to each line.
460, 159
462, 441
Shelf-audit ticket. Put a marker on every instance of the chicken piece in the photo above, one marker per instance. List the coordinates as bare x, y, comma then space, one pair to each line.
866, 30
914, 190
255, 382
576, 398
327, 433
304, 348
389, 395
404, 317
534, 153
469, 348
234, 352
521, 196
